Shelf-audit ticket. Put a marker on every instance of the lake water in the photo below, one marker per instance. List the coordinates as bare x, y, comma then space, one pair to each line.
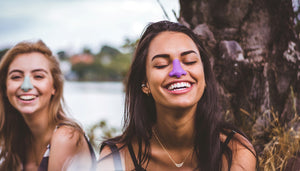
90, 102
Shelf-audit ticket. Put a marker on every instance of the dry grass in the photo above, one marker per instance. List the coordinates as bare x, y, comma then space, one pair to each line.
276, 142
283, 144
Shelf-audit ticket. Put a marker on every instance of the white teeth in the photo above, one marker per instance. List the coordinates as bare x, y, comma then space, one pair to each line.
180, 85
28, 97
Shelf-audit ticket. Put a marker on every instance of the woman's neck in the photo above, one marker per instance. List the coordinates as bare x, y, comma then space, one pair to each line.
39, 125
176, 127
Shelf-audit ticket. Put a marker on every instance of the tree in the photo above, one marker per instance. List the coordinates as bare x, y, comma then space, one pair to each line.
87, 50
254, 47
108, 51
62, 55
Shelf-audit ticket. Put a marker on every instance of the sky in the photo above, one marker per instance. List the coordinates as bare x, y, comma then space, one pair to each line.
72, 25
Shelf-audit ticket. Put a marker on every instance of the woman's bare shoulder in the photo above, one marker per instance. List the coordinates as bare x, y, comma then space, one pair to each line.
107, 161
67, 134
107, 150
243, 153
67, 143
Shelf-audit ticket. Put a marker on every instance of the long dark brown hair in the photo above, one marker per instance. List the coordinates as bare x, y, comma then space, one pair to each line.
140, 113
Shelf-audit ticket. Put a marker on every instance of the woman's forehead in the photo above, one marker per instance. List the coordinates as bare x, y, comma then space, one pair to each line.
171, 42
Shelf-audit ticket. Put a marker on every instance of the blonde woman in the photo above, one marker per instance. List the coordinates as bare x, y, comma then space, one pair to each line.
35, 133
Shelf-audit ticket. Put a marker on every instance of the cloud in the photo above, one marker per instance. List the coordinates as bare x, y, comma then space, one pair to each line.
75, 24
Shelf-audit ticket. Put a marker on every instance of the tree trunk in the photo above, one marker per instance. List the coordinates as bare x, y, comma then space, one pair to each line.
255, 57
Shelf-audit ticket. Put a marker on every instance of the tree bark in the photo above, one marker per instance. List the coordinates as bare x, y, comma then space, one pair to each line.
255, 58
253, 43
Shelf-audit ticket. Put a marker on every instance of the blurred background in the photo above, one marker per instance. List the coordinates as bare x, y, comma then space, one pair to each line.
94, 41
254, 52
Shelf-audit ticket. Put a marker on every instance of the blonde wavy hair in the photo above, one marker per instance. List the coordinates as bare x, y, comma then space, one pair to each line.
15, 135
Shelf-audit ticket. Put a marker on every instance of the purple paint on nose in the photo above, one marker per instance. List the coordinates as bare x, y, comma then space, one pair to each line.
177, 70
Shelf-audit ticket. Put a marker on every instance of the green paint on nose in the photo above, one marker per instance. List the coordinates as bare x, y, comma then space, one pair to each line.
26, 85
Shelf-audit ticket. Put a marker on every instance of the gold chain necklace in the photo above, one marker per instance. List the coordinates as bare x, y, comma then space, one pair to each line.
176, 164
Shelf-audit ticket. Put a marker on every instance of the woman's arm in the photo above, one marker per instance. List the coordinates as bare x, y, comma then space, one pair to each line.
68, 148
243, 155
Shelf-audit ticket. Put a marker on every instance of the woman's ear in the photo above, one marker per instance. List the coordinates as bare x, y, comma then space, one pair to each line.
53, 91
146, 89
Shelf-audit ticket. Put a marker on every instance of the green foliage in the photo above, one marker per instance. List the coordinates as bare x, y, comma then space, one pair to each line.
110, 64
115, 70
108, 50
121, 64
62, 55
130, 45
100, 131
87, 50
87, 72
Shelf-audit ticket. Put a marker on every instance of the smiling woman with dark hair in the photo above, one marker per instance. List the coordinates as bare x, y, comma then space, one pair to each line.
171, 112
35, 133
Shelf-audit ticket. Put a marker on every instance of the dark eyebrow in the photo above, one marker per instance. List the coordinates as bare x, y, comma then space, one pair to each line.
15, 70
161, 56
40, 70
167, 56
20, 71
187, 52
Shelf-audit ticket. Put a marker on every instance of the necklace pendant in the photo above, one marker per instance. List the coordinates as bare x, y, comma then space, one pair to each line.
179, 164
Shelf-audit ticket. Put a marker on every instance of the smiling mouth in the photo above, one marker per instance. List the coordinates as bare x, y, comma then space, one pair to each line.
179, 86
27, 98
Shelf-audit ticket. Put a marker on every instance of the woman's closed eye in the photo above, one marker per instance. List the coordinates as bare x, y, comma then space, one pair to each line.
39, 77
15, 77
39, 74
190, 62
160, 63
160, 66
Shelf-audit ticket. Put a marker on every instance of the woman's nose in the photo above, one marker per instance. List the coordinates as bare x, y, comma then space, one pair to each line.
26, 85
177, 70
